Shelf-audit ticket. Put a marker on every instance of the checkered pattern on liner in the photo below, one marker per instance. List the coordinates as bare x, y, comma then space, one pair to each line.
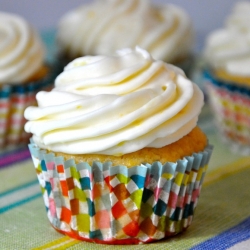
230, 103
108, 202
14, 99
232, 113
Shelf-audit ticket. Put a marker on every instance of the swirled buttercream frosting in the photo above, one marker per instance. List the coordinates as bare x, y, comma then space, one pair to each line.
21, 49
228, 48
115, 105
104, 26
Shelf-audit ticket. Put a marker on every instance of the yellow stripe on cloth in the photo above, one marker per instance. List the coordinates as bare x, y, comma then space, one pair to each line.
227, 170
62, 243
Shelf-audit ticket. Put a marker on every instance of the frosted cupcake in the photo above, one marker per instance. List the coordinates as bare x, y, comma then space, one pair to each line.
117, 150
23, 73
227, 54
164, 30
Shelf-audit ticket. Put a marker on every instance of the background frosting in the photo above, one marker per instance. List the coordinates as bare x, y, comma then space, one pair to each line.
115, 105
229, 48
21, 50
165, 31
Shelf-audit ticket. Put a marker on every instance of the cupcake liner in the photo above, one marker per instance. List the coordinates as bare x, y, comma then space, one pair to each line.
119, 205
231, 107
14, 99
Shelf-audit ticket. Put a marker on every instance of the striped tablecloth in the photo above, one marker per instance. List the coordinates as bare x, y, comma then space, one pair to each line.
221, 221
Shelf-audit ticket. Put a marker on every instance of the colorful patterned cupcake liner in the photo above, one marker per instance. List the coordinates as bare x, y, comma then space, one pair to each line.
231, 107
14, 99
119, 205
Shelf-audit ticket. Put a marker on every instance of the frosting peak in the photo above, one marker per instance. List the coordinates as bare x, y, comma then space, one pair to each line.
115, 105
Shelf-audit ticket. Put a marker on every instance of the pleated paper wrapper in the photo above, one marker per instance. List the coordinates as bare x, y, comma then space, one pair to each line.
119, 205
230, 104
14, 99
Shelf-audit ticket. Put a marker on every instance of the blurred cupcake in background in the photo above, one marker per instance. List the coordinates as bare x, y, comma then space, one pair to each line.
102, 27
23, 72
227, 77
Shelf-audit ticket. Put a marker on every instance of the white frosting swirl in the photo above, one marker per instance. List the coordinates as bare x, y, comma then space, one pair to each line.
105, 26
115, 105
21, 50
228, 48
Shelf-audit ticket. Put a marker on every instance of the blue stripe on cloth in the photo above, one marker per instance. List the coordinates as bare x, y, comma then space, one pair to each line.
228, 238
21, 201
34, 182
18, 203
13, 151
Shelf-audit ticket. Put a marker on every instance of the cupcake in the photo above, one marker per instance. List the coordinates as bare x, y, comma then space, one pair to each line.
117, 150
23, 72
164, 30
227, 77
